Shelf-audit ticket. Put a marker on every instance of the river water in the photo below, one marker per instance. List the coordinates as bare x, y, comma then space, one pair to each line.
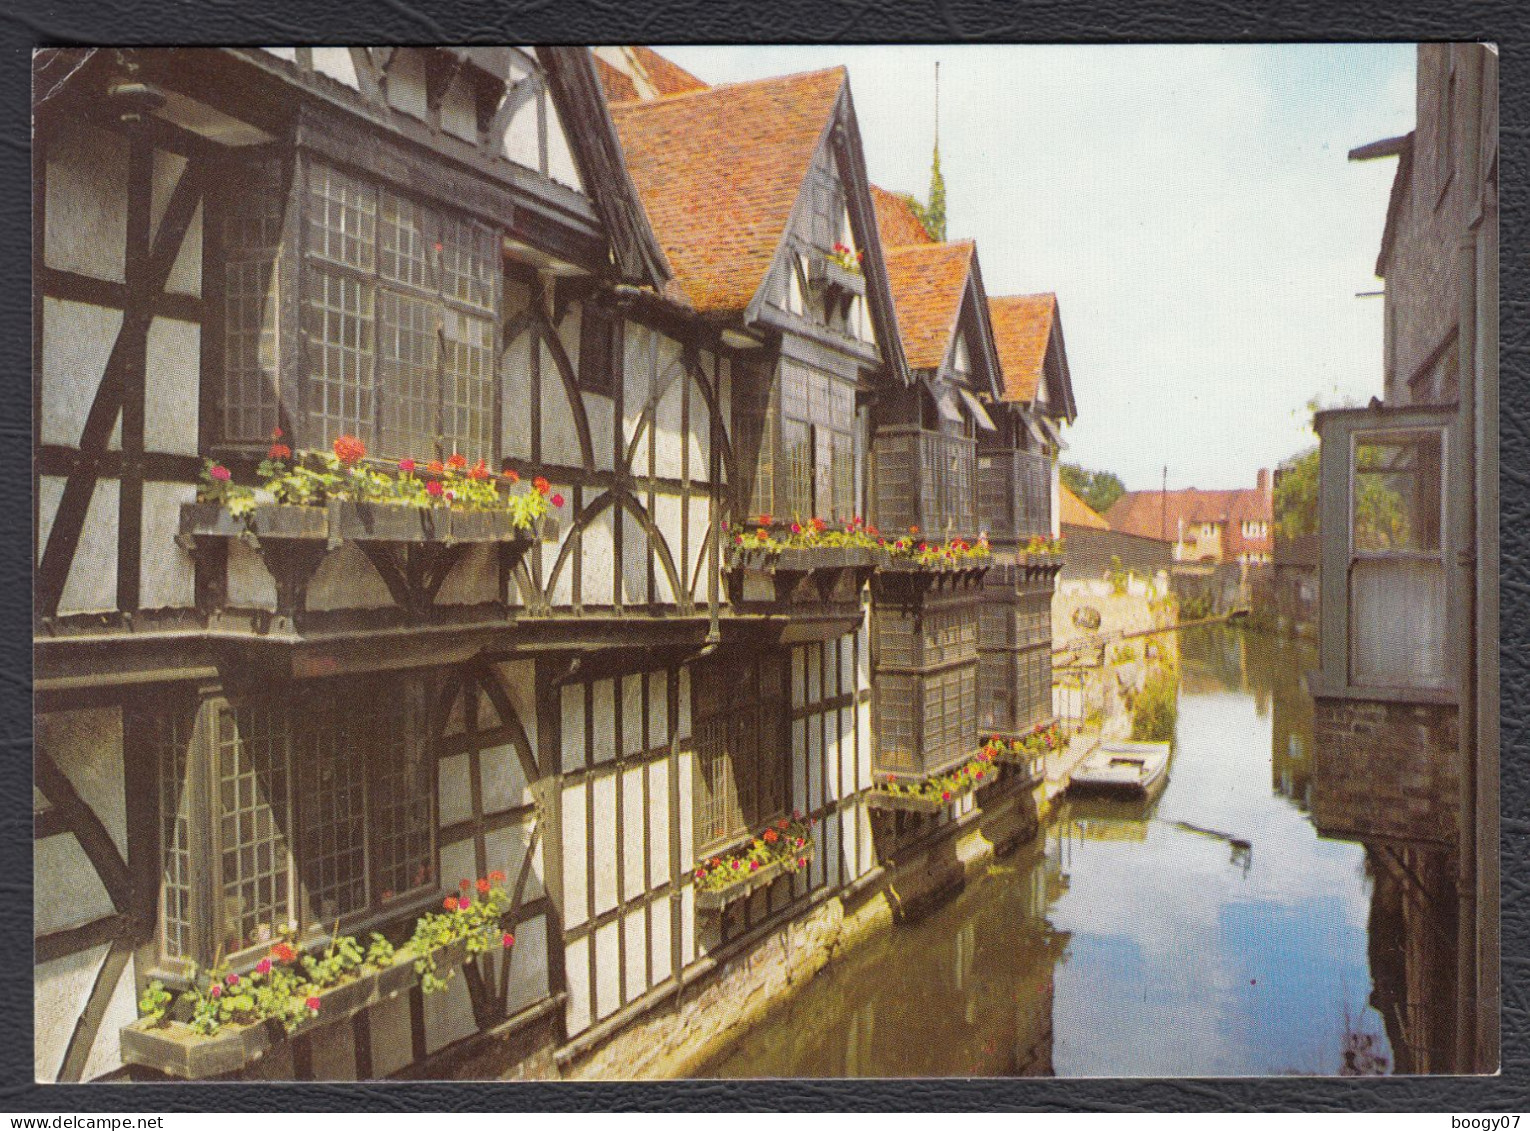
1209, 933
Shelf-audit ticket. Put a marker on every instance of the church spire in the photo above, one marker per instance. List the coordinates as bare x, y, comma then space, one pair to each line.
935, 210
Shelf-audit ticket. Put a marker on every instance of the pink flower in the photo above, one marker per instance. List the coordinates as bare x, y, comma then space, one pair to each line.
557, 500
464, 903
216, 990
406, 465
263, 966
312, 1003
802, 861
434, 488
507, 941
754, 865
232, 979
946, 795
220, 473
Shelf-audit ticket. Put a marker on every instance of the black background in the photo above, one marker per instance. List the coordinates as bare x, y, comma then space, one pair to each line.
31, 23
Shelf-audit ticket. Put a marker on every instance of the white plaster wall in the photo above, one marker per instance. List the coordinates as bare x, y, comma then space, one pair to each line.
667, 514
635, 553
504, 784
562, 592
560, 434
455, 801
669, 437
528, 979
66, 891
250, 584
659, 930
515, 372
60, 990
406, 82
601, 411
575, 861
658, 822
607, 969
633, 828
658, 709
92, 583
603, 721
598, 580
459, 113
635, 926
473, 581
121, 1009
336, 62
521, 144
85, 200
458, 862
186, 273
572, 699
86, 745
632, 713
685, 818
560, 159
604, 829
172, 385
576, 967
346, 580
699, 437
687, 925
637, 381
701, 517
505, 849
77, 340
167, 575
448, 1014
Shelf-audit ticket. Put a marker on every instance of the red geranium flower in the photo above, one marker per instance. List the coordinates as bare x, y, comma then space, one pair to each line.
497, 877
349, 450
279, 451
457, 461
765, 520
263, 966
480, 470
216, 990
770, 836
464, 884
464, 903
220, 473
557, 500
232, 979
513, 475
450, 903
754, 865
406, 465
946, 795
507, 941
802, 861
277, 433
541, 485
782, 823
796, 528
312, 1003
434, 488
435, 467
483, 887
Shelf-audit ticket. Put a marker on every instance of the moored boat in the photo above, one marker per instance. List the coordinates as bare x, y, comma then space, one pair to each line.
1134, 769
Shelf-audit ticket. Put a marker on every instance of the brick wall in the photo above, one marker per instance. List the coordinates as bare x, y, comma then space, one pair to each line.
1386, 770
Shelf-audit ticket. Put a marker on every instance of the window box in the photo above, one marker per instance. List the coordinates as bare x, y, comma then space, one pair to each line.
808, 573
714, 900
931, 801
826, 271
388, 522
177, 1050
267, 520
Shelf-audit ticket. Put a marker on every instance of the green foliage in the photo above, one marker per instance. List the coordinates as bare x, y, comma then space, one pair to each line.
464, 917
1100, 489
1296, 497
154, 1003
934, 217
1124, 654
1197, 606
380, 954
1118, 578
1157, 707
787, 842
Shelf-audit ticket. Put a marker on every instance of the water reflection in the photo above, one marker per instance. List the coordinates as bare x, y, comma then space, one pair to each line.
1208, 932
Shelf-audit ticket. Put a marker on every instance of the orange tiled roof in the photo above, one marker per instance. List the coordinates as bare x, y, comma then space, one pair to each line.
1073, 511
1022, 327
618, 87
659, 73
718, 171
667, 76
896, 222
928, 282
1155, 514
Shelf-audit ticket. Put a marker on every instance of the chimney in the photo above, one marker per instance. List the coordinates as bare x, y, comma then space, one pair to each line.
1262, 482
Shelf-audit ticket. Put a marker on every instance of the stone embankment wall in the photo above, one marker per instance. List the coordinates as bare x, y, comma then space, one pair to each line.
1097, 672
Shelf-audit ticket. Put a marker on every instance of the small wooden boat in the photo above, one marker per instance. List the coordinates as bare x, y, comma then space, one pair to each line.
1132, 769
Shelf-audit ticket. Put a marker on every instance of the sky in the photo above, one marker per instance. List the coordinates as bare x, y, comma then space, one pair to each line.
1192, 207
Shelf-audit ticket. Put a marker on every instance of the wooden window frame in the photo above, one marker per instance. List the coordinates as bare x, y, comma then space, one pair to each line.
734, 730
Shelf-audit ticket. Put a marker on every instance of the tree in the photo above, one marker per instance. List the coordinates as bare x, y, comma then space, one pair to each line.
1296, 497
1100, 489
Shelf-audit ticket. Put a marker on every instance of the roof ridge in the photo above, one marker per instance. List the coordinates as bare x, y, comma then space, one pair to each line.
723, 88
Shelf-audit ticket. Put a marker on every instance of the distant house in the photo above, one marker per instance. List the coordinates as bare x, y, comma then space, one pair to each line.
1095, 548
1212, 527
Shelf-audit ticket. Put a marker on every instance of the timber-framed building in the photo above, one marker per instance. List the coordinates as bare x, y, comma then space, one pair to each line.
670, 301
